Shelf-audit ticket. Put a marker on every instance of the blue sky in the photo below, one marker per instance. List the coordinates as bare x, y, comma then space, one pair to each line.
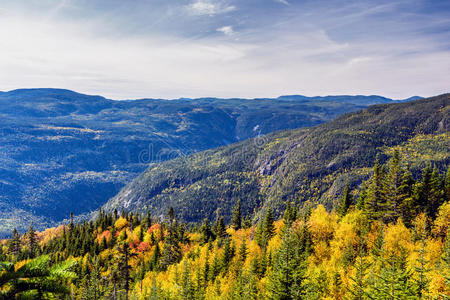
225, 48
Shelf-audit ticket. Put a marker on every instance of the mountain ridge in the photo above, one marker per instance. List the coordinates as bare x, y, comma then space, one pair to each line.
63, 151
296, 165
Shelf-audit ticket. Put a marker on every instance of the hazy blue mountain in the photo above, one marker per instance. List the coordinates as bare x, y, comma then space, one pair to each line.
61, 151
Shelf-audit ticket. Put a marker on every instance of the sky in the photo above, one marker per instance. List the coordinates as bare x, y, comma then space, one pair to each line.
226, 48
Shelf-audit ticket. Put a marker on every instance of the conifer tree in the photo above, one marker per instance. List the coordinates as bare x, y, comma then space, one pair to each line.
227, 255
375, 193
345, 201
286, 281
31, 241
243, 252
205, 232
394, 281
269, 226
362, 196
406, 207
436, 195
290, 214
219, 229
14, 244
422, 190
392, 190
359, 283
187, 287
171, 252
421, 282
236, 221
447, 185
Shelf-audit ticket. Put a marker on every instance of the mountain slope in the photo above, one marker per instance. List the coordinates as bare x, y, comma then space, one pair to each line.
61, 151
304, 164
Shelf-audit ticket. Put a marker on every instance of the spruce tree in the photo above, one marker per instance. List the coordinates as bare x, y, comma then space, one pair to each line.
436, 195
243, 252
345, 201
406, 208
187, 287
236, 221
205, 232
421, 282
375, 193
359, 284
290, 214
14, 244
269, 226
395, 280
422, 190
227, 255
447, 185
286, 280
32, 242
392, 190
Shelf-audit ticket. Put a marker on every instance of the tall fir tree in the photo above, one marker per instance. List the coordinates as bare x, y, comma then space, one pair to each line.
286, 280
375, 193
345, 201
236, 221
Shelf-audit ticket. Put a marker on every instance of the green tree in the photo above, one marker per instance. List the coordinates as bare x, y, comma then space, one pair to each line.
375, 193
236, 220
31, 241
290, 214
37, 279
436, 195
345, 201
358, 288
14, 246
286, 280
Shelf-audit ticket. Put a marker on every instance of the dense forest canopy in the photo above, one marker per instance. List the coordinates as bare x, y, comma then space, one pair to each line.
388, 239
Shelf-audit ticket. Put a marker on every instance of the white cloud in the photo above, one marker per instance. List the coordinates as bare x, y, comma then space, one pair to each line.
227, 30
285, 2
205, 7
174, 55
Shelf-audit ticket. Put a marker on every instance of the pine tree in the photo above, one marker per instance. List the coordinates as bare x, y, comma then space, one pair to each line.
422, 190
14, 243
268, 227
32, 242
219, 229
243, 252
392, 190
359, 284
362, 197
236, 221
447, 185
345, 201
187, 287
394, 281
227, 256
375, 193
436, 195
286, 281
205, 232
171, 251
422, 282
290, 214
406, 207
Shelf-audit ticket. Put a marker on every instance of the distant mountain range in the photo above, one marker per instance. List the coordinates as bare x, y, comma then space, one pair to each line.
62, 152
309, 164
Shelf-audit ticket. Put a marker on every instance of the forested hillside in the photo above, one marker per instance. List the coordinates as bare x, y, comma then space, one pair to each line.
312, 164
62, 151
388, 239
